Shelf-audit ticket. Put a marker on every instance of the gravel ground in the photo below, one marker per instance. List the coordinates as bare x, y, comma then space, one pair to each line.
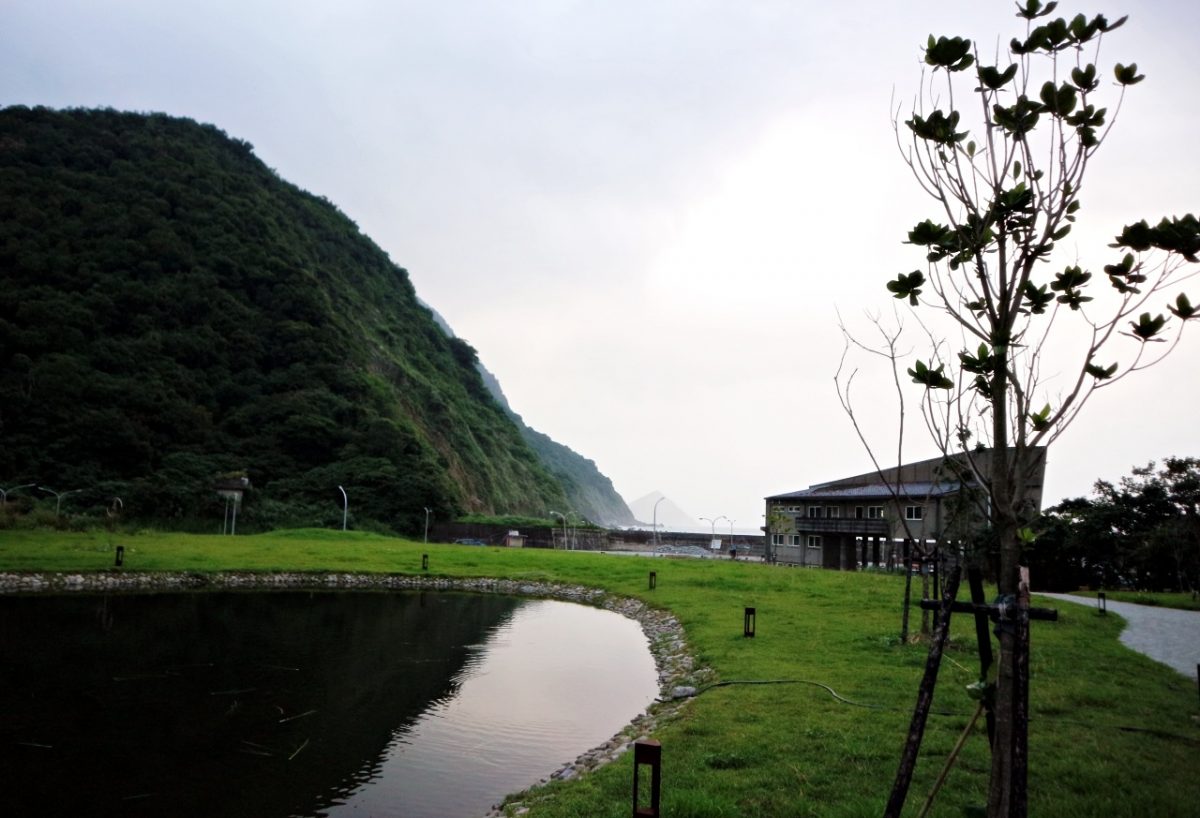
1166, 635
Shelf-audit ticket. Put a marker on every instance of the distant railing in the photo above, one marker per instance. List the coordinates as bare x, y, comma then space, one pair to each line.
842, 525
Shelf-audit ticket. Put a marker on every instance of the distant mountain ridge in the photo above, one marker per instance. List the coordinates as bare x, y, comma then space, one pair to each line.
589, 492
171, 310
669, 516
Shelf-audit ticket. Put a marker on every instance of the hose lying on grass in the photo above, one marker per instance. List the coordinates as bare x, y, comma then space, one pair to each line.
838, 697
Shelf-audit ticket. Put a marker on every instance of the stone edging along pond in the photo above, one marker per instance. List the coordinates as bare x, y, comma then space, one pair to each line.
678, 673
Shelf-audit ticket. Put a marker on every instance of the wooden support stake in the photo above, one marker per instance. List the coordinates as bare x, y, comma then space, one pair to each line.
1020, 710
647, 754
916, 730
983, 637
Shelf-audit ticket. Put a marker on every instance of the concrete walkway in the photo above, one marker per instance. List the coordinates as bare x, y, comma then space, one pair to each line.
1166, 635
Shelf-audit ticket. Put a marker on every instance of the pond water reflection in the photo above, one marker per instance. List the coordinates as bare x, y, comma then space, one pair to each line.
380, 704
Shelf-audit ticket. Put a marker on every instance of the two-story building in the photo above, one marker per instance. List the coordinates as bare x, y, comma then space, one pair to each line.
864, 520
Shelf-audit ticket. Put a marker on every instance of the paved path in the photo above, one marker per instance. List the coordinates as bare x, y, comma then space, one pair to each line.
1166, 635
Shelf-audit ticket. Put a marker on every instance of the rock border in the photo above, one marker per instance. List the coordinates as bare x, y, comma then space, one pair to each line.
678, 672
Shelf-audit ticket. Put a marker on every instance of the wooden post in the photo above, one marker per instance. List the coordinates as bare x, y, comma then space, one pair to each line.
1020, 710
907, 590
916, 730
647, 753
983, 637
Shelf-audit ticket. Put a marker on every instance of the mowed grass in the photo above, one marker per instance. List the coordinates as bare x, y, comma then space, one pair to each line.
1163, 599
1112, 733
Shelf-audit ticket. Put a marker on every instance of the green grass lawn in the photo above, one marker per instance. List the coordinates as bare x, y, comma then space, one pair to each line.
789, 749
1183, 601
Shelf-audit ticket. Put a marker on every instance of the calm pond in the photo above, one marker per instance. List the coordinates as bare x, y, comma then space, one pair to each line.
303, 704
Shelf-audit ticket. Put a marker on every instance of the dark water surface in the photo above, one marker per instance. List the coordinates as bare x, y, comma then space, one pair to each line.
303, 704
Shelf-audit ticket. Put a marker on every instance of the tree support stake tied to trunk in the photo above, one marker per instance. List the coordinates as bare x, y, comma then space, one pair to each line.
1012, 615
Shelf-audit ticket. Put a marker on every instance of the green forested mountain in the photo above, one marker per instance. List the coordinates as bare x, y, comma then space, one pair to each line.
589, 492
171, 310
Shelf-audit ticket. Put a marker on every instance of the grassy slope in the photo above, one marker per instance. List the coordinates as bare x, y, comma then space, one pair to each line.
1183, 601
786, 749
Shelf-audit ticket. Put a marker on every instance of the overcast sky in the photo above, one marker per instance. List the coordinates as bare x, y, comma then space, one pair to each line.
647, 215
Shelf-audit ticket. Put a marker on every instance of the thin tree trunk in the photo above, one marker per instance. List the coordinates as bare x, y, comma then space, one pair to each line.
1004, 523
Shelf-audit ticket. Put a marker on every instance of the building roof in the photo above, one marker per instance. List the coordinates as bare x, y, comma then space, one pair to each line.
873, 491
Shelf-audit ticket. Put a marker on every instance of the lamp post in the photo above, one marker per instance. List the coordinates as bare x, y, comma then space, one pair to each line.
4, 492
564, 522
657, 541
58, 495
426, 525
345, 507
731, 522
714, 524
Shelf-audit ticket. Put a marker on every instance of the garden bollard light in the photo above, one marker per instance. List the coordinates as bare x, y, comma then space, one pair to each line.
1103, 604
647, 753
749, 623
120, 556
653, 580
424, 562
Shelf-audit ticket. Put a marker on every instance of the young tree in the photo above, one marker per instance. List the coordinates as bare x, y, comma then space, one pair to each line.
1006, 192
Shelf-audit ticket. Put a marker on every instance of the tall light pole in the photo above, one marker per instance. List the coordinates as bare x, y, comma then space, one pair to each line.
4, 492
564, 522
345, 507
657, 541
58, 495
731, 522
426, 524
714, 524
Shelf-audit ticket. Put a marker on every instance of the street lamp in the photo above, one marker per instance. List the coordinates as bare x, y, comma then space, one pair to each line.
345, 507
4, 492
714, 524
58, 497
564, 522
426, 524
657, 541
731, 522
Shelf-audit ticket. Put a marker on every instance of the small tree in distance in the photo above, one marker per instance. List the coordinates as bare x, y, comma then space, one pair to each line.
1006, 192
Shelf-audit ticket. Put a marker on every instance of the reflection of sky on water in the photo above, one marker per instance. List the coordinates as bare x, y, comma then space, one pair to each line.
552, 681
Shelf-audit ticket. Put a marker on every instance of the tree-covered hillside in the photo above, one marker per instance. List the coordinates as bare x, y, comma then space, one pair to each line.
589, 492
171, 310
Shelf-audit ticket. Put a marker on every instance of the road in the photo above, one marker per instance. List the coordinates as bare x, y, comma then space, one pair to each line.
1166, 635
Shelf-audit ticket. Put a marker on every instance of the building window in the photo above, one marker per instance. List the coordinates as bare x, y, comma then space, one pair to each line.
814, 511
833, 511
858, 512
776, 539
795, 539
875, 512
913, 512
814, 540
